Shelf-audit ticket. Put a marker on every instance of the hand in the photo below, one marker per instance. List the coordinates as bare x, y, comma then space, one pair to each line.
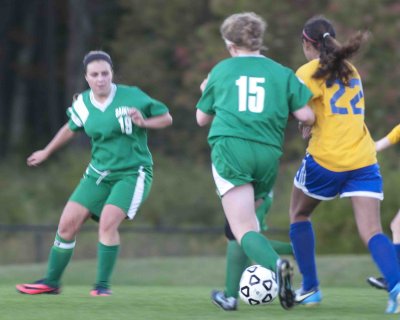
37, 158
305, 130
137, 118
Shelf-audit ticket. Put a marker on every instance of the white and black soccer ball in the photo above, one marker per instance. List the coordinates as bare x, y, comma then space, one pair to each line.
258, 285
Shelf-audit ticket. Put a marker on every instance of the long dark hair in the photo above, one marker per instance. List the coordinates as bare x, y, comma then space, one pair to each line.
333, 55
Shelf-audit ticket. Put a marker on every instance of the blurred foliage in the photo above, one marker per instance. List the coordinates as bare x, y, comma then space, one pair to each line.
167, 48
182, 194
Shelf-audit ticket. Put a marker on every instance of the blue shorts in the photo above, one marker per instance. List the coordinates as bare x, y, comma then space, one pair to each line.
323, 184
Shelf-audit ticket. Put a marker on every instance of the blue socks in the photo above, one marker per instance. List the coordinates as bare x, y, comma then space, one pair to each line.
303, 242
384, 254
397, 247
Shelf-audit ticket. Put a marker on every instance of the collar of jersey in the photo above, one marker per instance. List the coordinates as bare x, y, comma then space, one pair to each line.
250, 55
103, 106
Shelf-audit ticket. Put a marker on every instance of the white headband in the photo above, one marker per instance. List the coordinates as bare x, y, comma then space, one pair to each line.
228, 42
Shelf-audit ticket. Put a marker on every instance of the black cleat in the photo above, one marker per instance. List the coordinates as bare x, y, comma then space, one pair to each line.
284, 272
379, 282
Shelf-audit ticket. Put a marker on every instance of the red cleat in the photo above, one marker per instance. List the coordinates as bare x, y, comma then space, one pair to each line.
100, 292
39, 287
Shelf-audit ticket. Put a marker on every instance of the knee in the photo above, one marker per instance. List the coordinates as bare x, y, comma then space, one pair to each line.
299, 215
66, 232
67, 229
395, 224
104, 227
107, 226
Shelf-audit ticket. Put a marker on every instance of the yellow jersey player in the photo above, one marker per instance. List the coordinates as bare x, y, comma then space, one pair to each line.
390, 139
340, 159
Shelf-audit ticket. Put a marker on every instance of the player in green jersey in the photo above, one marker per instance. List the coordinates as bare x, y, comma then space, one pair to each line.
118, 177
237, 261
247, 99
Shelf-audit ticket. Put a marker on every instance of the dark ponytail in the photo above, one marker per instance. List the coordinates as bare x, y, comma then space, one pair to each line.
333, 55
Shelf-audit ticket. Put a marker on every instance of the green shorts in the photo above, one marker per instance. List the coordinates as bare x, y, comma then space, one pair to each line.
127, 191
237, 162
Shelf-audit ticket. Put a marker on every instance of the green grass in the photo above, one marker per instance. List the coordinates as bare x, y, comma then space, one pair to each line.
179, 288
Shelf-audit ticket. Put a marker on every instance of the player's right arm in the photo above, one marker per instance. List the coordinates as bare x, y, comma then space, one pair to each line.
61, 138
204, 112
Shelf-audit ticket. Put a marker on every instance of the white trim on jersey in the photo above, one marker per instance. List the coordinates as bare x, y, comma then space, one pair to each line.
223, 185
137, 195
102, 106
75, 119
80, 111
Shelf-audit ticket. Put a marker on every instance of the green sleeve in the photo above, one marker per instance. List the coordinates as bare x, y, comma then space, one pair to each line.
206, 102
157, 108
299, 94
151, 107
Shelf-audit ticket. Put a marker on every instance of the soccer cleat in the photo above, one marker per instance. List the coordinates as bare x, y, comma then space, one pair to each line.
393, 305
379, 283
219, 299
284, 272
39, 287
100, 292
308, 298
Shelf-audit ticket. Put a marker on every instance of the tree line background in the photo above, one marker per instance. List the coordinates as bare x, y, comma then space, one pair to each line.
167, 48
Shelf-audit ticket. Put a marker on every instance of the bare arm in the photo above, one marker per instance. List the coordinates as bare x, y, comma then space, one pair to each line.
61, 138
305, 115
203, 118
382, 144
157, 122
203, 84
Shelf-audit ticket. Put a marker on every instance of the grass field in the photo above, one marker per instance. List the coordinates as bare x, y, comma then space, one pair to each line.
179, 288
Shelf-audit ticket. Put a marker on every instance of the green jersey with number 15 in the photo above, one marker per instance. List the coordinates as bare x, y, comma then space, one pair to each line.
117, 144
251, 98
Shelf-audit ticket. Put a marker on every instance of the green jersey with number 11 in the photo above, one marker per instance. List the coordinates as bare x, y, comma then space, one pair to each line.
117, 144
251, 98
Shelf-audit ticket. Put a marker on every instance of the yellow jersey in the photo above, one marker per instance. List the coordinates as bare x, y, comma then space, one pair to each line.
394, 135
340, 140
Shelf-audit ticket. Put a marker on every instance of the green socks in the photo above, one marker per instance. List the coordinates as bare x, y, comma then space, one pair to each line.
61, 253
259, 249
59, 257
236, 262
282, 248
106, 258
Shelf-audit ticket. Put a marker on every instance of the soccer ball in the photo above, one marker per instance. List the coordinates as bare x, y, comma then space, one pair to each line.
258, 285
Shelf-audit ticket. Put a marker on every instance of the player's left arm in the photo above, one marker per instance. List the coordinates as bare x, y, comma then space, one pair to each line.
392, 138
155, 122
382, 144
